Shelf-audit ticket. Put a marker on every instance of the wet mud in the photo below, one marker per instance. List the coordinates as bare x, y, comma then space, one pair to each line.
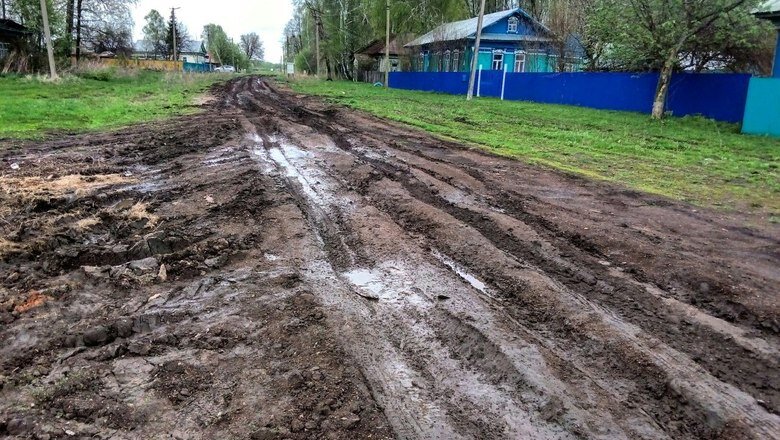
276, 267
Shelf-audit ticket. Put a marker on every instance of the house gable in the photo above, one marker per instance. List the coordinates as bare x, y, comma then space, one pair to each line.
525, 26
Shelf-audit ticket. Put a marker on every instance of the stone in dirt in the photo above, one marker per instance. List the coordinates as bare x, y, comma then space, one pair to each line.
95, 336
144, 266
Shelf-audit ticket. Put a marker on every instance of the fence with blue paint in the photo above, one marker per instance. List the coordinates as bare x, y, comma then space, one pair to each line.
196, 67
717, 96
762, 112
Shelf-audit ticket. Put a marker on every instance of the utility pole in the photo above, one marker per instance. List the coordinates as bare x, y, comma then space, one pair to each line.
470, 93
47, 33
387, 44
173, 25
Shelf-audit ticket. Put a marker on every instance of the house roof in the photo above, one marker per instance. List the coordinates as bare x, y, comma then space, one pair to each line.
769, 6
377, 47
769, 10
459, 30
12, 28
189, 47
511, 37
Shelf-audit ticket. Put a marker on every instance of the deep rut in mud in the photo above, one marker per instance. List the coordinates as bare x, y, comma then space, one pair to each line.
279, 268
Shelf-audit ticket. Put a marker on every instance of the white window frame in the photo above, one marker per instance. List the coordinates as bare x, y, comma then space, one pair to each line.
4, 50
447, 55
456, 61
422, 62
498, 52
520, 58
512, 25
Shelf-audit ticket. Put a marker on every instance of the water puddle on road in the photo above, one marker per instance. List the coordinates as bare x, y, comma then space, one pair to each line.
469, 278
366, 280
387, 282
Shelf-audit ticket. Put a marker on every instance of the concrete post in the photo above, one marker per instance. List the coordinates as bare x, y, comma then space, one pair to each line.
503, 83
479, 80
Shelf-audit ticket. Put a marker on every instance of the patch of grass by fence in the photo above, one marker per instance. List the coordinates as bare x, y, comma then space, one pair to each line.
95, 98
692, 159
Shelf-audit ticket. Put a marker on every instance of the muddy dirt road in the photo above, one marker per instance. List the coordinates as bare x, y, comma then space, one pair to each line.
278, 268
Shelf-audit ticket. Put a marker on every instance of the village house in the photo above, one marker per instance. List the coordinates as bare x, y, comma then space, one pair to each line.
13, 37
191, 52
372, 55
511, 39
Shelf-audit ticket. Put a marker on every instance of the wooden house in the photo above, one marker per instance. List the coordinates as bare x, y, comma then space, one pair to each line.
511, 39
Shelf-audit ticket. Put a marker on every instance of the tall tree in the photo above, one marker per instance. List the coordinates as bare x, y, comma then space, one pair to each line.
175, 27
156, 33
655, 34
222, 48
252, 46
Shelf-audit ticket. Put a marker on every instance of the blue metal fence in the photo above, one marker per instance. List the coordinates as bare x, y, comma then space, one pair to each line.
762, 112
717, 96
196, 67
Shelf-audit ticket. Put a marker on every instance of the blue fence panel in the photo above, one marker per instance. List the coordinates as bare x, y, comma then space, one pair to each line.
762, 112
718, 96
196, 67
455, 83
608, 91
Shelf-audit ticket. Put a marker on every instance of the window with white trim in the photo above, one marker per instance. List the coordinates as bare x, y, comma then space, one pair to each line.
512, 25
519, 61
447, 60
456, 61
421, 68
3, 50
498, 60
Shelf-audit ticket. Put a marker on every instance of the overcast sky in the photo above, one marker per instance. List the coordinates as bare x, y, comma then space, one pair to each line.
265, 17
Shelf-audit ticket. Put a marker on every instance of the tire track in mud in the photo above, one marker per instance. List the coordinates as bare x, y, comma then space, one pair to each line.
708, 341
660, 388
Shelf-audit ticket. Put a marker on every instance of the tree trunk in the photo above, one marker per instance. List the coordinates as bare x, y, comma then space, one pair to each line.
665, 77
328, 68
78, 31
69, 18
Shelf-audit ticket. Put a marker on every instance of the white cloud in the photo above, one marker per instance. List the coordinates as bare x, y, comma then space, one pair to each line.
266, 17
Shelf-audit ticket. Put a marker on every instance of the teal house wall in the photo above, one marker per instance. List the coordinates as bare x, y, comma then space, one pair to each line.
511, 40
776, 67
762, 112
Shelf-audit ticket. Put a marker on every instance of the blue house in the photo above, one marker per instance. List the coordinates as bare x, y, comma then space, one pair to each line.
511, 39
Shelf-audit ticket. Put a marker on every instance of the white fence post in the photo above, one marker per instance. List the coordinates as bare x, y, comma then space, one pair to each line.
479, 80
503, 83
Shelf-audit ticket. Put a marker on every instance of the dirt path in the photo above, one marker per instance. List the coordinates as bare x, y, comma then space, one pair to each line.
277, 268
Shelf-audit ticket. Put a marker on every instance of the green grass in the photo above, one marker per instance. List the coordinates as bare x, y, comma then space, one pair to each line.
104, 98
691, 159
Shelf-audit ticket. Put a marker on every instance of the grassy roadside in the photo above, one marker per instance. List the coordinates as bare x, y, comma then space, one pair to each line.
31, 107
691, 159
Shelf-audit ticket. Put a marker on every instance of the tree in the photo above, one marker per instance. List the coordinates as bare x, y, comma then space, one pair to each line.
175, 27
659, 34
252, 46
222, 48
112, 37
156, 33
